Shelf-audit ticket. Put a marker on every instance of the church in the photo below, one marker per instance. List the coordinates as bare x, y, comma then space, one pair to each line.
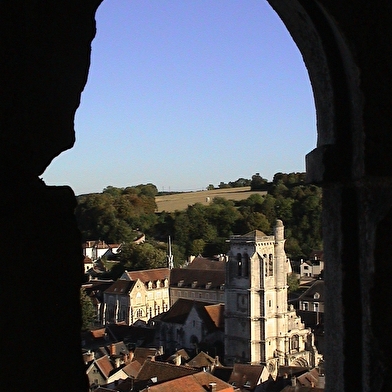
260, 326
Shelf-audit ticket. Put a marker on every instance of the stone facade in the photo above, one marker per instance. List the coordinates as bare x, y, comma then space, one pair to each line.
260, 328
136, 296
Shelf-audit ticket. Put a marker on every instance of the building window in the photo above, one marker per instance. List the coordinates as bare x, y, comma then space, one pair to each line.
270, 265
138, 298
246, 265
239, 264
305, 306
294, 343
316, 306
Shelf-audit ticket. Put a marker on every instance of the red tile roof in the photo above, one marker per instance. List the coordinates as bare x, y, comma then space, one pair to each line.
216, 313
244, 373
163, 371
198, 382
104, 365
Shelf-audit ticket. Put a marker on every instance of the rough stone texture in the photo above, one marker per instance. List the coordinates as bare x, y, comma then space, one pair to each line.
347, 57
45, 59
45, 55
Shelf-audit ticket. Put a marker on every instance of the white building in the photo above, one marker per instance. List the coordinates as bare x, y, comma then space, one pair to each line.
260, 327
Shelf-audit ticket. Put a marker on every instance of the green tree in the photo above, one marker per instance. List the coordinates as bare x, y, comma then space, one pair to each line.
258, 183
142, 256
292, 282
88, 311
197, 246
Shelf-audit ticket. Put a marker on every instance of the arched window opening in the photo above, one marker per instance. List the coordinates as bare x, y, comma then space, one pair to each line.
239, 264
246, 265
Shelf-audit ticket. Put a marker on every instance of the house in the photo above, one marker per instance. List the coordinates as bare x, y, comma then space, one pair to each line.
312, 300
99, 371
247, 377
314, 266
203, 361
192, 325
137, 295
97, 249
87, 264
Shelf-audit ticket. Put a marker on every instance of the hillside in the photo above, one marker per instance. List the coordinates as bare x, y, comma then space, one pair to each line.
180, 201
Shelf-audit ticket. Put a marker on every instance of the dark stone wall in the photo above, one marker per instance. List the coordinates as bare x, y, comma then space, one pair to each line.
45, 56
45, 60
348, 58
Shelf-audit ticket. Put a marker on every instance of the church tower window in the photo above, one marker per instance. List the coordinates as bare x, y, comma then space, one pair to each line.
239, 264
270, 265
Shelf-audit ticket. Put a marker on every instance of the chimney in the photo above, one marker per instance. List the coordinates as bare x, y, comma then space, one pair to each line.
178, 359
117, 362
293, 381
321, 382
112, 349
212, 386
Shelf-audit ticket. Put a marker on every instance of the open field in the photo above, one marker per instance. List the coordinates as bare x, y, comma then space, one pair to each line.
180, 201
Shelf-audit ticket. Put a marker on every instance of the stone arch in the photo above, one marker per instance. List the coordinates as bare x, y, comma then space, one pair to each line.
44, 73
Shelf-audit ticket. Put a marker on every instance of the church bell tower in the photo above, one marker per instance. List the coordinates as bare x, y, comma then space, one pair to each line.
259, 326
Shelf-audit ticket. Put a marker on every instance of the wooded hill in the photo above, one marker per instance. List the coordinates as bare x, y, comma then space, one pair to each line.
118, 214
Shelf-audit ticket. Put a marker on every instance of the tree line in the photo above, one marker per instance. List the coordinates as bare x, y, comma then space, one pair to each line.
118, 215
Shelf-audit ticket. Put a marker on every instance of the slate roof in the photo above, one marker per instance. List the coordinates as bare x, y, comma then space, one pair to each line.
222, 372
317, 254
120, 287
198, 382
202, 277
151, 275
179, 312
316, 287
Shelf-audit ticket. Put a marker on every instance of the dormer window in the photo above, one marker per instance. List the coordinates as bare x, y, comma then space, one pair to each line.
166, 282
158, 284
208, 285
150, 285
194, 284
316, 296
180, 283
222, 287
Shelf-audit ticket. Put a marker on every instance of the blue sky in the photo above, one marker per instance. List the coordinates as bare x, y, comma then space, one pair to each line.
187, 93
